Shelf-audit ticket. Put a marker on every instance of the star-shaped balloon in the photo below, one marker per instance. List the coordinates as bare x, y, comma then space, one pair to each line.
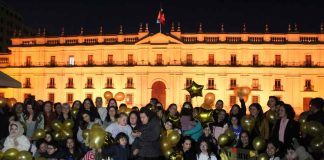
195, 89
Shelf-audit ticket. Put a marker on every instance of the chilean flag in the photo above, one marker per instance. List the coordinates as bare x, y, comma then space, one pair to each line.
160, 18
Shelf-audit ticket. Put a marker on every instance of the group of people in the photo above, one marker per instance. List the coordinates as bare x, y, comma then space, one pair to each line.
137, 134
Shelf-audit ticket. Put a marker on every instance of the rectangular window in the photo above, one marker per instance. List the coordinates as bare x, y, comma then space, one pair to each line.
130, 59
306, 102
27, 95
71, 60
277, 60
51, 83
51, 97
52, 63
233, 83
70, 83
211, 60
233, 60
110, 59
308, 60
90, 60
255, 84
69, 98
211, 84
88, 95
109, 83
28, 61
189, 59
89, 83
129, 99
308, 85
255, 61
255, 99
159, 60
278, 86
129, 83
188, 98
232, 100
27, 83
188, 82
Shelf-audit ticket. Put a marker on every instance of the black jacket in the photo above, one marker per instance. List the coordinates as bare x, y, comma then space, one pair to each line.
291, 131
117, 152
318, 116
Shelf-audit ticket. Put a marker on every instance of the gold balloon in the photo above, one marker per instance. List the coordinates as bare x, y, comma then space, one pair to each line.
173, 138
243, 91
272, 116
96, 138
39, 134
96, 125
56, 125
68, 124
119, 96
66, 133
258, 143
74, 112
108, 95
128, 110
205, 116
304, 128
11, 102
24, 155
122, 110
176, 156
175, 120
262, 156
223, 139
1, 154
11, 154
315, 128
302, 118
195, 90
85, 133
247, 123
317, 143
209, 99
167, 153
40, 158
230, 133
165, 144
3, 102
58, 136
108, 139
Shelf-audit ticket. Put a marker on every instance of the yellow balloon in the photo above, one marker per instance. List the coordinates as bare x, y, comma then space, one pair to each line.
68, 124
96, 138
317, 143
176, 156
119, 96
1, 154
173, 138
24, 155
56, 125
96, 125
108, 95
175, 120
167, 153
128, 110
67, 133
315, 128
58, 136
165, 144
272, 116
229, 133
262, 156
38, 134
205, 116
11, 154
85, 133
209, 99
247, 123
302, 118
258, 143
223, 139
74, 112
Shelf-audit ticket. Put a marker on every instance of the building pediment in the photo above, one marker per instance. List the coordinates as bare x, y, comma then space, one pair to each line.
159, 38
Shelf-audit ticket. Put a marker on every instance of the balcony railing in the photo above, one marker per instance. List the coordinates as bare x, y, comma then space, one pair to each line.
88, 85
50, 85
52, 64
308, 63
27, 85
186, 85
309, 88
211, 86
109, 63
131, 63
255, 87
277, 63
28, 64
90, 63
129, 85
108, 85
255, 63
278, 88
159, 62
232, 87
70, 85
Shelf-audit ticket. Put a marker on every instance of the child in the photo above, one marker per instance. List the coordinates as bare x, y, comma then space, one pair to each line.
121, 126
236, 128
16, 139
204, 152
169, 127
273, 150
207, 136
121, 150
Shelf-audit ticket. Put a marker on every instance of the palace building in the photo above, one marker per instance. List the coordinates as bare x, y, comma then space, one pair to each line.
144, 65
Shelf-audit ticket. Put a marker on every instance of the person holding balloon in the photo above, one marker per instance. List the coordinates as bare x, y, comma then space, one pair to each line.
261, 127
16, 139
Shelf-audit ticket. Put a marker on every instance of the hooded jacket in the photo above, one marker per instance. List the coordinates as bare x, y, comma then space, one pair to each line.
18, 141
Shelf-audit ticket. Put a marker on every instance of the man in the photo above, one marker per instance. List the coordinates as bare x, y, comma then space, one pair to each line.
101, 110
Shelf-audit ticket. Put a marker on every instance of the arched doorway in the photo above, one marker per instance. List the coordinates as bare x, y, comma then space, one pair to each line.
158, 91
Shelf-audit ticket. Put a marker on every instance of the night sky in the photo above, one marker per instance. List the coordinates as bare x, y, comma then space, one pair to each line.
91, 14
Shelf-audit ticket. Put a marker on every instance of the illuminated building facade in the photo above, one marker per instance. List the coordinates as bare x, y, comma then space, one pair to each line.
144, 65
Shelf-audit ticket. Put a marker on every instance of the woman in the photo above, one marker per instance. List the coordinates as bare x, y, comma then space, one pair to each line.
32, 118
16, 139
261, 127
88, 105
238, 111
220, 124
121, 126
86, 123
286, 128
77, 104
49, 115
72, 152
204, 152
236, 128
196, 131
172, 113
244, 141
186, 120
187, 148
134, 120
149, 135
111, 115
18, 110
58, 109
65, 112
